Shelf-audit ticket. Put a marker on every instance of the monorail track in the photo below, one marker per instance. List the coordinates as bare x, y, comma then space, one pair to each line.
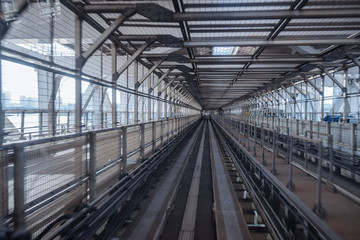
204, 185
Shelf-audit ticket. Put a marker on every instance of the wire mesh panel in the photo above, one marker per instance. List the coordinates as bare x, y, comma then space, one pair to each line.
53, 165
106, 179
108, 147
133, 143
165, 131
6, 185
158, 134
65, 205
148, 138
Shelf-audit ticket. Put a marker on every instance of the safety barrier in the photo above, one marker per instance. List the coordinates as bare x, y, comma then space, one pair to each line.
44, 179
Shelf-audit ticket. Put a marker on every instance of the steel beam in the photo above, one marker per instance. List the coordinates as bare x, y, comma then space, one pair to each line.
105, 35
314, 86
254, 70
78, 67
334, 80
159, 80
136, 97
113, 89
273, 43
254, 60
133, 58
168, 84
151, 70
276, 14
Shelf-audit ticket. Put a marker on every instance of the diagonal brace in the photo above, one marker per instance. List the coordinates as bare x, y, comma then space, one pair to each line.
105, 35
167, 85
151, 70
334, 80
159, 80
314, 86
133, 58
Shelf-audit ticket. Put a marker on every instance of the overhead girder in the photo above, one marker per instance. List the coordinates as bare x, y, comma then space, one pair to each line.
251, 70
270, 43
167, 40
158, 13
295, 59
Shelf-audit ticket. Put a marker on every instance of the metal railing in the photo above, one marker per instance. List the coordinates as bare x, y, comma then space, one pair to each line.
49, 177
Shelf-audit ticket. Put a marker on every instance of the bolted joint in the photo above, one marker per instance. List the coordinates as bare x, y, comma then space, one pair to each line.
150, 40
159, 94
115, 76
80, 61
344, 90
137, 85
154, 12
150, 90
3, 28
128, 12
170, 41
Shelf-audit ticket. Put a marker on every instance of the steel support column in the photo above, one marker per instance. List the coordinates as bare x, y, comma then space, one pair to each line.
113, 89
92, 166
19, 191
123, 163
2, 113
78, 67
136, 97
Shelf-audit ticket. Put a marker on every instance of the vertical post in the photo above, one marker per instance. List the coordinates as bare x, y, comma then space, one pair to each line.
306, 101
161, 132
113, 89
4, 184
149, 101
291, 184
273, 168
331, 157
345, 96
87, 120
353, 142
322, 97
294, 117
262, 144
136, 98
159, 109
2, 113
68, 123
78, 68
19, 190
92, 166
319, 209
288, 144
153, 137
142, 140
297, 126
248, 134
123, 163
22, 125
51, 108
41, 123
255, 132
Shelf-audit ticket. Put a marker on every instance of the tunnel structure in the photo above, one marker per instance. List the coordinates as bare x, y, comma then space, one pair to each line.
170, 118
